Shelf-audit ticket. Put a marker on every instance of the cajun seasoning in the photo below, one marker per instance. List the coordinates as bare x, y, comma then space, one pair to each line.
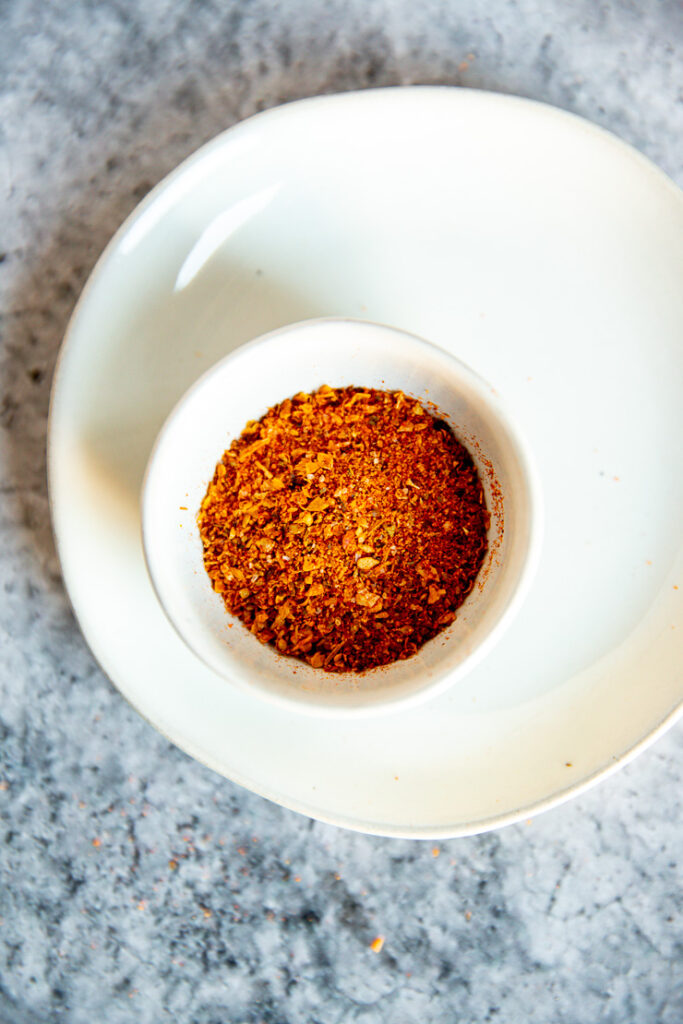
345, 527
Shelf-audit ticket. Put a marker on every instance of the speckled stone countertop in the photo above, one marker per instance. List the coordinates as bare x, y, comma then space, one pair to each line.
136, 885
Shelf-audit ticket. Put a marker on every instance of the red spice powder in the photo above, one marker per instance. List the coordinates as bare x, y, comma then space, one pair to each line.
345, 527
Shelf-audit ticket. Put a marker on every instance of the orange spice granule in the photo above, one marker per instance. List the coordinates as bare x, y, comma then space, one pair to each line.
345, 527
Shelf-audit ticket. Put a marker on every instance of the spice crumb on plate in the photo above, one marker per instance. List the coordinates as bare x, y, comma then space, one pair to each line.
345, 527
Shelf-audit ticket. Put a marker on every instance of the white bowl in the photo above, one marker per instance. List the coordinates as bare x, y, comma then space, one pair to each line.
242, 387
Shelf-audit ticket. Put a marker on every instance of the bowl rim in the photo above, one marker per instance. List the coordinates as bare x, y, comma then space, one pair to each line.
445, 675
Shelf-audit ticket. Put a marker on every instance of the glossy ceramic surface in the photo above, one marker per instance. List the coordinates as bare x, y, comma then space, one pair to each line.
242, 387
546, 255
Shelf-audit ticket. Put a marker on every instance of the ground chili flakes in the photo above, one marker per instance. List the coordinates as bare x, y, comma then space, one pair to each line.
345, 527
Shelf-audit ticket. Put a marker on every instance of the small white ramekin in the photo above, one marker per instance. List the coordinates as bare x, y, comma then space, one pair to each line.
241, 387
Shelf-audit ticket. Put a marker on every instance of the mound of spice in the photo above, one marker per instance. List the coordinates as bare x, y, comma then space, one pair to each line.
345, 527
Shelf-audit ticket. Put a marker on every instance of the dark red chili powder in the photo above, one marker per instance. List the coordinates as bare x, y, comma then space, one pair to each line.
345, 527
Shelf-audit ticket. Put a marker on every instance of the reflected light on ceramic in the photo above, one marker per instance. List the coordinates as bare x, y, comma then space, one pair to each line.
219, 230
183, 180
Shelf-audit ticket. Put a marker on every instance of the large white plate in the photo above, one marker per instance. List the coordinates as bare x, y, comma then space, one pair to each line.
540, 250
